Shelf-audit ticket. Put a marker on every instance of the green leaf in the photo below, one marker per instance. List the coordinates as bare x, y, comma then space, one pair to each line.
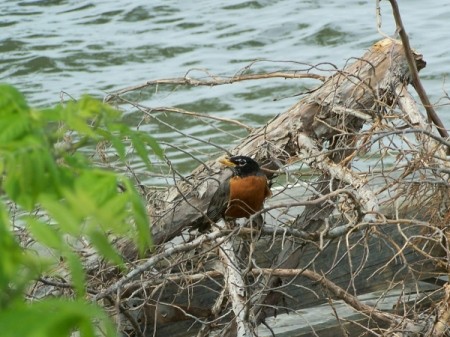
81, 200
11, 100
45, 233
80, 125
30, 171
119, 146
112, 215
88, 107
13, 127
54, 317
105, 248
17, 267
141, 219
154, 145
10, 257
68, 220
11, 180
77, 273
99, 185
139, 146
51, 114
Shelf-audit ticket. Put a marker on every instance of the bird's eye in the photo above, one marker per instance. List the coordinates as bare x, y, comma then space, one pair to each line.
241, 162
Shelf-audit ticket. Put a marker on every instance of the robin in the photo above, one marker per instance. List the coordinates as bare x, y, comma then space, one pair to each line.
241, 195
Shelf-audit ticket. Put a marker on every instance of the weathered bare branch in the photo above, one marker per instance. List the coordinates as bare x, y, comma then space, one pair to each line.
415, 80
237, 289
213, 81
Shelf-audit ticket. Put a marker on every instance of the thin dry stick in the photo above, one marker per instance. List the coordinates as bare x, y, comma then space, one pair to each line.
313, 157
210, 83
432, 115
340, 293
196, 114
443, 318
156, 258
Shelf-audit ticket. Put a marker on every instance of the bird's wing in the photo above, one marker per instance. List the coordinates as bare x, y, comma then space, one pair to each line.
219, 201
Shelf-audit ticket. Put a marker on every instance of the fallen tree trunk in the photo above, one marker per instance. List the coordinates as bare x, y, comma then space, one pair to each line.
378, 259
359, 232
341, 106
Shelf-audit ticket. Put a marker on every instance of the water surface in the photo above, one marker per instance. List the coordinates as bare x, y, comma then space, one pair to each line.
62, 49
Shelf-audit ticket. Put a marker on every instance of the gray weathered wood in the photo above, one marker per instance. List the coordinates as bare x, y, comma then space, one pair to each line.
358, 87
367, 262
373, 258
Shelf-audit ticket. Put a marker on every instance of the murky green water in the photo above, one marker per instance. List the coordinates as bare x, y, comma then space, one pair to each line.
49, 47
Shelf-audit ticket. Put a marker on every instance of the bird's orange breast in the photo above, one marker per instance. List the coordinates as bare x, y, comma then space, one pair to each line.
247, 195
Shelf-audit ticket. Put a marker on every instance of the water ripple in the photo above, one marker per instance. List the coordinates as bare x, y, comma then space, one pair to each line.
50, 46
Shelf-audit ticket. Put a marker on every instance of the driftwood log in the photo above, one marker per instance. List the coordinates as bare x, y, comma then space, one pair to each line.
344, 234
333, 113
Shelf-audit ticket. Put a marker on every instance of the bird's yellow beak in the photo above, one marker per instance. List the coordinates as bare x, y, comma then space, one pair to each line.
226, 161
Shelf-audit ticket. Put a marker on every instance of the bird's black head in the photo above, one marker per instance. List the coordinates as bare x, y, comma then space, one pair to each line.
241, 165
